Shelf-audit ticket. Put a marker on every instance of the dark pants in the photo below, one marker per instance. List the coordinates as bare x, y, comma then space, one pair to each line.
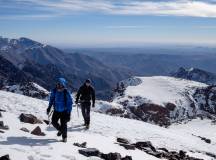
86, 107
62, 127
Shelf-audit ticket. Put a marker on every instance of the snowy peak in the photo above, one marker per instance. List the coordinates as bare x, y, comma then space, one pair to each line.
195, 74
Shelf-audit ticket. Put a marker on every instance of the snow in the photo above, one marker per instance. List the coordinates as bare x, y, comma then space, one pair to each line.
102, 134
161, 89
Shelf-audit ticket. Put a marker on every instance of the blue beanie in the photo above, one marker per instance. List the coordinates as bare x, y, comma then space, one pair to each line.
62, 81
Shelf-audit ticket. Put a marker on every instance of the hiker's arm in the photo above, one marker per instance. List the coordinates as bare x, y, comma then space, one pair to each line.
93, 96
78, 95
51, 99
69, 102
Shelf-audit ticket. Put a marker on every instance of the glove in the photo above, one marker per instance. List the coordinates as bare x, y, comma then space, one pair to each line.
93, 105
68, 115
48, 110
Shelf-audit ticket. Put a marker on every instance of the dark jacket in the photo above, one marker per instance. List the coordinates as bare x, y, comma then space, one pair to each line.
86, 94
60, 102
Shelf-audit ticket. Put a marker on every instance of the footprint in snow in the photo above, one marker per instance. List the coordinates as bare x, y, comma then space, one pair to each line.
69, 157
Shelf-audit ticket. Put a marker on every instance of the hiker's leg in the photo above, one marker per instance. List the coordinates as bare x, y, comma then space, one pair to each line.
88, 109
83, 111
55, 119
63, 120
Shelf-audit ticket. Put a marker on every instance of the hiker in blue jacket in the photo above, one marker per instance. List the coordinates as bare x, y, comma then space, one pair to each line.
62, 102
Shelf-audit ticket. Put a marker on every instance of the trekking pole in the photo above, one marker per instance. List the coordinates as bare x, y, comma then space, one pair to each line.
78, 110
49, 117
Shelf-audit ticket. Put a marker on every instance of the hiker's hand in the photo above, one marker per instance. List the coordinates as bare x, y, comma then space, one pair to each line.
68, 115
48, 110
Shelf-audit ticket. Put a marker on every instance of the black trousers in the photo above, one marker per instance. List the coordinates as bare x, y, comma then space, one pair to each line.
62, 127
86, 108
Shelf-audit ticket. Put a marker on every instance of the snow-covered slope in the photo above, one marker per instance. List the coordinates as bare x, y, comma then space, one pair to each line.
102, 134
162, 100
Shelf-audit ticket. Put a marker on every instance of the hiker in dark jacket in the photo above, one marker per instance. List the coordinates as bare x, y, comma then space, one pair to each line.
85, 95
62, 102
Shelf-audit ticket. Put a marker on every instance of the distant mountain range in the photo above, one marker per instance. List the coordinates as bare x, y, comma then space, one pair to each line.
195, 74
157, 64
44, 63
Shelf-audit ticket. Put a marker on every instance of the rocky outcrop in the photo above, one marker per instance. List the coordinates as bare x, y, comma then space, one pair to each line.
29, 118
162, 153
30, 89
37, 131
89, 152
5, 157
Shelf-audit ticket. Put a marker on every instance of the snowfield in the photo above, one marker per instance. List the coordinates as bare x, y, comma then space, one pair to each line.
101, 135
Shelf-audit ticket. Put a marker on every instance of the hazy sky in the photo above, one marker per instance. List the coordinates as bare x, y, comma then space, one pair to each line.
98, 23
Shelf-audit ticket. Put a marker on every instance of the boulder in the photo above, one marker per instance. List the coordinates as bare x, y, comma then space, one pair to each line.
37, 131
2, 131
24, 129
2, 126
0, 114
29, 118
128, 146
146, 144
2, 110
6, 157
88, 152
111, 156
127, 158
82, 145
123, 140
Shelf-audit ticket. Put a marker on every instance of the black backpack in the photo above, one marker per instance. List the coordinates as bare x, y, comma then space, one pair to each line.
65, 97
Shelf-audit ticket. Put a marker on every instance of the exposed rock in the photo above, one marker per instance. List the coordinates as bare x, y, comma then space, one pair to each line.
114, 111
122, 140
0, 114
2, 110
127, 158
152, 112
6, 157
111, 156
89, 152
29, 118
128, 146
143, 145
37, 131
82, 145
2, 131
170, 106
2, 126
203, 139
24, 129
46, 121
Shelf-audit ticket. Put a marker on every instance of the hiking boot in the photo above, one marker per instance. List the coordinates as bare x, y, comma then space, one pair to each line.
87, 126
59, 133
64, 140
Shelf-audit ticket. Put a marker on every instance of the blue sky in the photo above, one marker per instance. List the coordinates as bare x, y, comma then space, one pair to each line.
99, 23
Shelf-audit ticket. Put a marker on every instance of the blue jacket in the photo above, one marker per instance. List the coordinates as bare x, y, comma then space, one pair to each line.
57, 99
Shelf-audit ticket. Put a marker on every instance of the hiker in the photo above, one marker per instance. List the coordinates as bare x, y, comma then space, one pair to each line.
86, 94
61, 100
